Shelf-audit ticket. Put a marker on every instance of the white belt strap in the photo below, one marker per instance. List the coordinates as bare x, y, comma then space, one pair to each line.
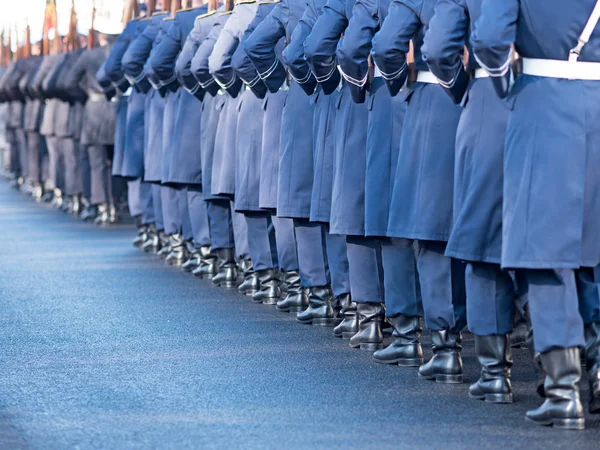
424, 76
481, 73
569, 70
586, 33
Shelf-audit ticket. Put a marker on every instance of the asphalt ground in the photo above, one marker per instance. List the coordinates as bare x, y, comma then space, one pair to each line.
103, 346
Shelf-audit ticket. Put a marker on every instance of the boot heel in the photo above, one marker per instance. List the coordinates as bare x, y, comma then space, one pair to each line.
324, 322
411, 362
371, 347
569, 424
498, 398
448, 379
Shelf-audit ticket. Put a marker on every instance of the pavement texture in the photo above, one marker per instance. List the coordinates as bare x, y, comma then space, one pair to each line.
103, 346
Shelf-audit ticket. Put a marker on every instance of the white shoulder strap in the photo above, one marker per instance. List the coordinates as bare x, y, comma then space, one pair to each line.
586, 33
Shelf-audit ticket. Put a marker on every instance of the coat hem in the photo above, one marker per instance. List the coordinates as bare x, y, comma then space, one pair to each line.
472, 257
441, 237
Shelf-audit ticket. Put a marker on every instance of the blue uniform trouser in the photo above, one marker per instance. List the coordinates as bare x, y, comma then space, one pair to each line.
240, 234
100, 176
170, 209
220, 224
184, 213
261, 240
442, 281
337, 259
146, 203
198, 216
311, 240
286, 243
366, 269
401, 279
490, 299
157, 204
133, 198
558, 299
86, 173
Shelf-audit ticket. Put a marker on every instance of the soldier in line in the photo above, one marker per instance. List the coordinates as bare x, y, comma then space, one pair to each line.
421, 203
133, 62
384, 129
550, 211
325, 109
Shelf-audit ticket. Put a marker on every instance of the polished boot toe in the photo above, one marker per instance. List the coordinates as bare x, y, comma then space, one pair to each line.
227, 275
178, 254
446, 364
294, 300
250, 285
192, 263
562, 407
405, 348
494, 383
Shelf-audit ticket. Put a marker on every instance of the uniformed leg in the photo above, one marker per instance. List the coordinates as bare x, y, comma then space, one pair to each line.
52, 144
146, 203
288, 263
21, 139
99, 173
34, 173
133, 198
339, 268
588, 287
240, 234
184, 212
181, 242
198, 217
490, 310
366, 286
263, 254
231, 240
311, 239
157, 204
170, 210
89, 210
220, 224
442, 282
402, 302
157, 237
558, 333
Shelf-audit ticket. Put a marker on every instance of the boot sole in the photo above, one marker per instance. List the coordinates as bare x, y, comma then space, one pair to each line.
270, 301
563, 424
323, 322
368, 346
444, 379
500, 399
410, 362
226, 284
292, 310
348, 334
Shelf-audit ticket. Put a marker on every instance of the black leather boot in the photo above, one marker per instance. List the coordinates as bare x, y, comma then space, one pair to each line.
178, 254
209, 264
295, 300
251, 284
348, 327
446, 364
113, 216
37, 192
405, 348
562, 408
57, 201
592, 363
370, 319
154, 242
319, 311
89, 213
494, 385
142, 236
269, 287
227, 275
193, 261
102, 217
75, 205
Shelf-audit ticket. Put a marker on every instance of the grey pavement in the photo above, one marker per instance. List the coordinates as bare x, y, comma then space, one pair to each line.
103, 346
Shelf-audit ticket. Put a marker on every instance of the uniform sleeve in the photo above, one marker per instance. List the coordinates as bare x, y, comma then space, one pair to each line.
74, 76
443, 48
321, 45
260, 47
200, 61
136, 56
293, 55
219, 61
184, 62
113, 66
108, 88
240, 61
164, 55
492, 39
391, 44
354, 47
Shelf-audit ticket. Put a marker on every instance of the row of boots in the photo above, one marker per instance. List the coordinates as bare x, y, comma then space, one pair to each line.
363, 324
